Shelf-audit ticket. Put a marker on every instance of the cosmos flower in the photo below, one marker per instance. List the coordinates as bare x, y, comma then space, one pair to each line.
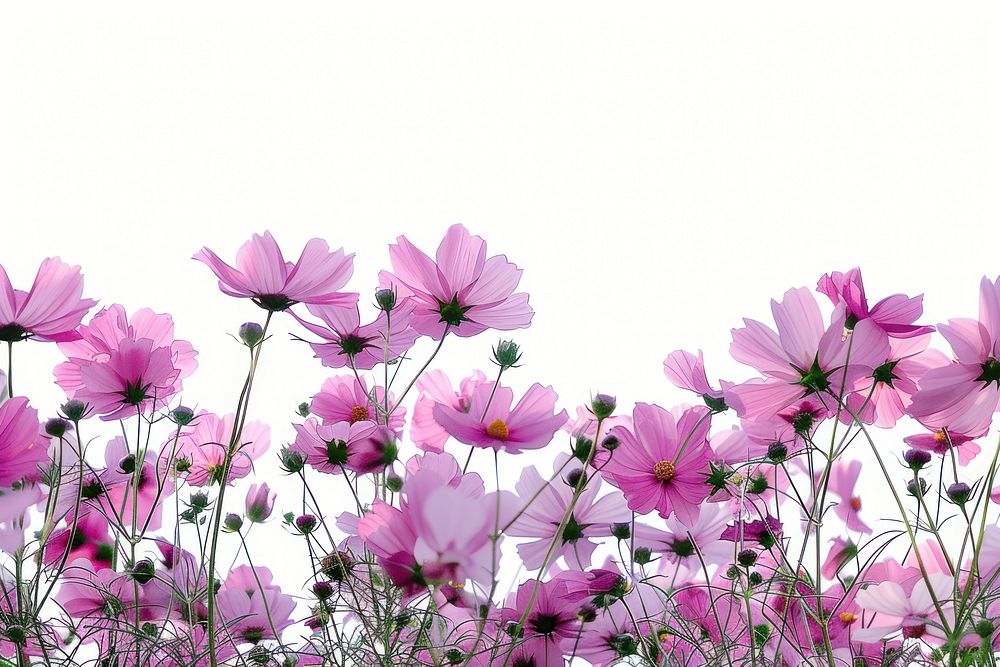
662, 462
133, 379
252, 611
894, 314
345, 398
262, 274
346, 342
49, 311
843, 480
461, 289
23, 448
530, 424
203, 445
331, 448
435, 387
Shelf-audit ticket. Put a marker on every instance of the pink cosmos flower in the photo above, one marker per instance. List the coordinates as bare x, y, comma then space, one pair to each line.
363, 446
687, 371
253, 612
50, 311
717, 615
202, 446
894, 314
134, 379
262, 274
802, 358
841, 552
843, 479
23, 448
898, 609
662, 462
552, 618
530, 424
697, 541
463, 291
259, 503
103, 336
345, 398
435, 387
100, 600
963, 396
346, 342
91, 540
942, 440
14, 520
118, 481
546, 505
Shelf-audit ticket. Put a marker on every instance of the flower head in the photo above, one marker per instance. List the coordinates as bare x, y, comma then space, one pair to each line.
894, 314
49, 311
346, 342
263, 275
23, 448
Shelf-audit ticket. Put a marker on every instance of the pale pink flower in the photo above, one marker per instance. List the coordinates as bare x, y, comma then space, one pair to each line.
803, 357
346, 342
894, 314
662, 463
251, 612
134, 379
23, 447
363, 446
203, 445
262, 274
345, 398
694, 542
50, 311
435, 387
911, 612
842, 483
530, 424
461, 289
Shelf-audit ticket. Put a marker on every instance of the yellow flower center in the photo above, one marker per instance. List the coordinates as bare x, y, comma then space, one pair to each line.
498, 430
939, 436
856, 504
359, 413
847, 617
664, 471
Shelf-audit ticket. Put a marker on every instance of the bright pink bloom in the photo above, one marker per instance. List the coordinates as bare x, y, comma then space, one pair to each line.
894, 314
202, 447
134, 379
552, 619
252, 614
346, 342
843, 480
50, 311
263, 275
463, 290
435, 387
23, 448
92, 540
530, 424
100, 600
331, 448
345, 398
941, 441
546, 505
662, 462
103, 336
963, 396
802, 358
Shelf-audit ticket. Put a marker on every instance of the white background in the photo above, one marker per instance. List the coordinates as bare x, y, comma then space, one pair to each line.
659, 170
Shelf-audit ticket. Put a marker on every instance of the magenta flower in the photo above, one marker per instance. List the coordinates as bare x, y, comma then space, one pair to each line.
463, 291
963, 396
101, 599
802, 358
253, 613
202, 447
14, 506
50, 311
545, 506
895, 315
530, 424
552, 619
23, 447
941, 441
346, 342
345, 398
662, 462
104, 334
843, 480
92, 540
262, 274
135, 378
362, 446
435, 387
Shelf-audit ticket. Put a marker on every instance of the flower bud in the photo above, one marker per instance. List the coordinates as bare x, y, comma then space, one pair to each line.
232, 523
506, 354
143, 571
385, 298
303, 409
642, 555
747, 557
306, 523
756, 579
337, 566
732, 572
777, 451
959, 493
610, 443
181, 415
251, 334
291, 460
322, 590
581, 448
916, 459
621, 530
916, 487
603, 405
74, 410
394, 483
758, 485
985, 628
199, 500
57, 427
454, 656
624, 644
587, 614
576, 478
259, 503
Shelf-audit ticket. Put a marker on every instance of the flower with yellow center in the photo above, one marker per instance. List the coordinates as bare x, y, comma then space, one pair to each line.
664, 471
498, 430
359, 413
